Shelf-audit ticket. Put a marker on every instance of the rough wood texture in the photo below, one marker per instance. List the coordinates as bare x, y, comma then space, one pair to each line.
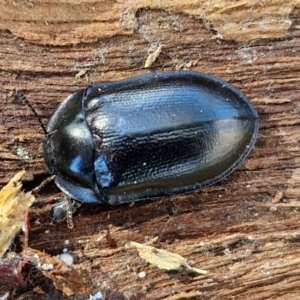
244, 230
67, 22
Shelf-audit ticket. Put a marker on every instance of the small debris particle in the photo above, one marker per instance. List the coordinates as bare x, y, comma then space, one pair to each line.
45, 267
142, 275
81, 73
97, 296
152, 57
67, 258
278, 197
5, 296
185, 66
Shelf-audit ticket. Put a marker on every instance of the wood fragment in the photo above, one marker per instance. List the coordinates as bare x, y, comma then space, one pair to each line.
152, 57
164, 259
13, 205
69, 279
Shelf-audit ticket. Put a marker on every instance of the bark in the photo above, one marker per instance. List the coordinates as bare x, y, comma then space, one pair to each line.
244, 230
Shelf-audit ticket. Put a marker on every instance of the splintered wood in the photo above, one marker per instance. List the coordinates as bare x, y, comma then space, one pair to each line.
13, 205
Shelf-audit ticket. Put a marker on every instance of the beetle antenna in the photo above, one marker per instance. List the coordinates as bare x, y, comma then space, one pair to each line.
25, 100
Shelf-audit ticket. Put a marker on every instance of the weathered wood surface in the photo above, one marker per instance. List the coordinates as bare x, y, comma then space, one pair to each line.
244, 230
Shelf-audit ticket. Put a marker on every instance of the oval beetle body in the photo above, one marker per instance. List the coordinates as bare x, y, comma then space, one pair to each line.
148, 136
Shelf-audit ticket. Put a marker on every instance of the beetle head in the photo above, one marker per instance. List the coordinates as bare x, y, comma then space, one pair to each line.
69, 150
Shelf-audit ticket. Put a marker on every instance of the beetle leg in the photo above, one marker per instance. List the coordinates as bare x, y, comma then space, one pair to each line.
70, 210
64, 210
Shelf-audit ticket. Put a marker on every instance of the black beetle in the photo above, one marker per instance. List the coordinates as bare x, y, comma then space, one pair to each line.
148, 136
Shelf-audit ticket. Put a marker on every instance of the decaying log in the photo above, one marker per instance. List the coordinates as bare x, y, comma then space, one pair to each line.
244, 230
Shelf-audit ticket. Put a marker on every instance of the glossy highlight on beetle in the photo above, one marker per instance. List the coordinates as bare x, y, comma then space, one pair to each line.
148, 136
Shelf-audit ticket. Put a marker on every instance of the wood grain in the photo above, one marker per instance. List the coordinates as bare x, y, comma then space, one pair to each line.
244, 230
64, 22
